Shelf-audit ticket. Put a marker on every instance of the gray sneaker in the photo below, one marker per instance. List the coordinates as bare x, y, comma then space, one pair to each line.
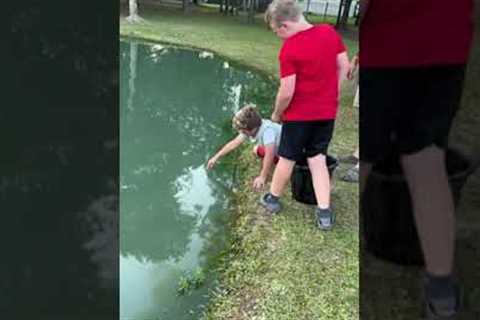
270, 203
444, 307
351, 159
351, 175
325, 218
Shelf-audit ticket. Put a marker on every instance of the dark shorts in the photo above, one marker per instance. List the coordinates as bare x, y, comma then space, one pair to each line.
404, 110
305, 139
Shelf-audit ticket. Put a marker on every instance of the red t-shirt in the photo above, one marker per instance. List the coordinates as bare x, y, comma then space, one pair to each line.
416, 32
312, 56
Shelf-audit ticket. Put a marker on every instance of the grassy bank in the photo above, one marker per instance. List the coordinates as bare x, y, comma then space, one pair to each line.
282, 267
230, 36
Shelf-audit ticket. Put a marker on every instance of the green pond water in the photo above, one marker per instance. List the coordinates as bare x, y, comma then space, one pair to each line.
175, 111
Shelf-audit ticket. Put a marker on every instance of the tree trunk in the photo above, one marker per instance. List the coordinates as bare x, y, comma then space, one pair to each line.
133, 16
308, 6
186, 6
251, 13
346, 12
343, 13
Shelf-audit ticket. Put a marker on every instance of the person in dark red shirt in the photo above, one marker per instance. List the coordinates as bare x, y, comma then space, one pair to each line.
313, 63
413, 55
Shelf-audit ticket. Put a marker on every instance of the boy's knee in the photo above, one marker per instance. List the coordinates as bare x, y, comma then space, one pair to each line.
317, 159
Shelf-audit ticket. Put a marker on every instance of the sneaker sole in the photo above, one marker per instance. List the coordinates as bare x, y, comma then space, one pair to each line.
430, 315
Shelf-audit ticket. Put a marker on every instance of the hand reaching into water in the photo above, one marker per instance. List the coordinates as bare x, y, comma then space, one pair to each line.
211, 163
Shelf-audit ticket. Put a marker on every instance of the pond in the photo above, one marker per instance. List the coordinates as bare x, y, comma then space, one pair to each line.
175, 112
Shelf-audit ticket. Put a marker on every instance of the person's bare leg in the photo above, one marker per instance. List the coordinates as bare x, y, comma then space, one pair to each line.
365, 169
320, 179
281, 176
433, 207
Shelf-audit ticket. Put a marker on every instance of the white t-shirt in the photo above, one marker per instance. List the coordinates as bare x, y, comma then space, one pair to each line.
269, 132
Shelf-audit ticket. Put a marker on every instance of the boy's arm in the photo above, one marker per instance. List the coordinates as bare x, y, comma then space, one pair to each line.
267, 166
353, 67
284, 96
343, 67
227, 148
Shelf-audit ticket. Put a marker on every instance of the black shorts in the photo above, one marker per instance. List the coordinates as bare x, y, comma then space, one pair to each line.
404, 110
305, 139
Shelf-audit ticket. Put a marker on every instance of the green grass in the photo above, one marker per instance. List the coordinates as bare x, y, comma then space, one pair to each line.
282, 267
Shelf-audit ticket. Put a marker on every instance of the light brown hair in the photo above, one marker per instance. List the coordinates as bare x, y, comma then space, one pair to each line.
247, 118
280, 11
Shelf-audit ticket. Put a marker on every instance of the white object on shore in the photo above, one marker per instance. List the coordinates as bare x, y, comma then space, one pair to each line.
205, 54
157, 47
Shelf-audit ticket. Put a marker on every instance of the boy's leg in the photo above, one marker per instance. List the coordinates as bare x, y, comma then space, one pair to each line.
320, 135
364, 172
434, 212
292, 141
433, 207
321, 180
281, 176
423, 137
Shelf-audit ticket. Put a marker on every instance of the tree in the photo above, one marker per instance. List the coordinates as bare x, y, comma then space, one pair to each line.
343, 13
187, 6
133, 16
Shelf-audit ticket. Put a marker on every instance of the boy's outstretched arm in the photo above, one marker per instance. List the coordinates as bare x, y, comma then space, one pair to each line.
267, 165
227, 148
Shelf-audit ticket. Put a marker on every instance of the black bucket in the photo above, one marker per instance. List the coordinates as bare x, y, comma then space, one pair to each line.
387, 218
301, 181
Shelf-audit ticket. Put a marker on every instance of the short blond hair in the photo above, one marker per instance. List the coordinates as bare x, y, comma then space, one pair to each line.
280, 11
247, 118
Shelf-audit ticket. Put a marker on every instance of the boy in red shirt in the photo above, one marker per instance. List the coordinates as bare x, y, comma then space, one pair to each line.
313, 63
412, 65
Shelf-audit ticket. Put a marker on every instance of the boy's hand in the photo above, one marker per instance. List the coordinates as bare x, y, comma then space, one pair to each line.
352, 68
351, 72
259, 183
276, 117
211, 163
